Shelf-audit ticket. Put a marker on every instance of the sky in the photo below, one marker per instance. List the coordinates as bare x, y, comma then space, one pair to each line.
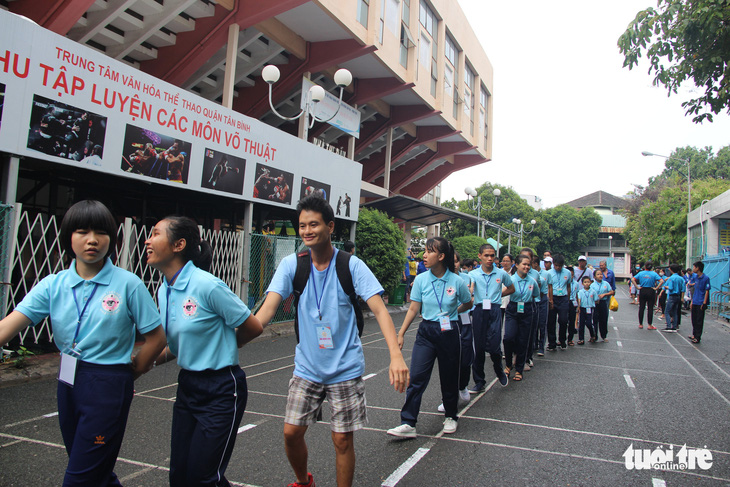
569, 120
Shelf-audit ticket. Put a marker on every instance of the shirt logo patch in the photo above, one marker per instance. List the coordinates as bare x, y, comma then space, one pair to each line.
110, 303
450, 291
498, 280
190, 307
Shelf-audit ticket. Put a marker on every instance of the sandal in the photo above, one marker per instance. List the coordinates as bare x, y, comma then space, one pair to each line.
581, 342
507, 370
517, 377
694, 340
571, 344
641, 327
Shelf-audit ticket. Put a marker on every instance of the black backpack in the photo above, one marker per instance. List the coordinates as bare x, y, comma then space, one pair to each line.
342, 266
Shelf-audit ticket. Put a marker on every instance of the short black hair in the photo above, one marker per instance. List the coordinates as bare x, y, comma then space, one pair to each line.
559, 260
88, 214
349, 246
675, 268
699, 265
522, 257
486, 246
314, 202
586, 278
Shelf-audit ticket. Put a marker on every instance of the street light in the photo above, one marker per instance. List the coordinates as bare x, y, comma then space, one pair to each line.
270, 74
521, 228
610, 238
702, 228
478, 204
689, 180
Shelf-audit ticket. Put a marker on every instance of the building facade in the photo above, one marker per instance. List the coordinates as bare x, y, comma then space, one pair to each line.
611, 244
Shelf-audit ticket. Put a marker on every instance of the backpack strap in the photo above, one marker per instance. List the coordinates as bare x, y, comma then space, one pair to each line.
342, 265
301, 276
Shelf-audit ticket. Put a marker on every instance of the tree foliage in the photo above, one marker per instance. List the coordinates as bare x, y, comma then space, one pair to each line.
569, 231
381, 245
656, 227
685, 40
468, 246
563, 229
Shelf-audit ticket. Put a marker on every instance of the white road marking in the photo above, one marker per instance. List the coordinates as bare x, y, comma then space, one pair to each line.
618, 343
25, 421
246, 428
405, 467
615, 328
658, 483
629, 382
369, 376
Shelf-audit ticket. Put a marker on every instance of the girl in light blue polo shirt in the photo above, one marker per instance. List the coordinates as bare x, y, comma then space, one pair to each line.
440, 295
200, 315
95, 309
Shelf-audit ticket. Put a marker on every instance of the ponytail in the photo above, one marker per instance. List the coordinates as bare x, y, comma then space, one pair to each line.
196, 250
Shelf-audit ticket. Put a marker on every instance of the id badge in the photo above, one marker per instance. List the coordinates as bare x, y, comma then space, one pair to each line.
520, 307
465, 318
487, 304
67, 371
575, 303
445, 323
588, 311
560, 292
324, 337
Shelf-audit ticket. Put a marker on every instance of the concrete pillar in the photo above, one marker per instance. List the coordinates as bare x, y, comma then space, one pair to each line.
245, 265
388, 157
9, 189
229, 79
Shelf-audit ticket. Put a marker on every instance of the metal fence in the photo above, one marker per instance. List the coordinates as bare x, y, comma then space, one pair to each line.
267, 251
35, 252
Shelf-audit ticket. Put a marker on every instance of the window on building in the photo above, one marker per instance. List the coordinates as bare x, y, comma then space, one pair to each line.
429, 23
362, 11
469, 96
449, 66
483, 98
406, 40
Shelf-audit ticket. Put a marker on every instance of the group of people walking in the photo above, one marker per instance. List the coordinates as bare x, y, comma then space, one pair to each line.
672, 285
509, 310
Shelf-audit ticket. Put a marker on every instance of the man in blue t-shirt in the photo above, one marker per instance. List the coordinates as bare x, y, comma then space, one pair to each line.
608, 274
699, 283
329, 360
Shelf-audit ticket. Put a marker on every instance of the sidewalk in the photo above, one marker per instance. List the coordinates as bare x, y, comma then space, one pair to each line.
44, 366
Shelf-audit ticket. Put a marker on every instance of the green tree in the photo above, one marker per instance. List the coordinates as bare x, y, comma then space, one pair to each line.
381, 245
468, 246
685, 40
567, 230
656, 227
509, 205
418, 240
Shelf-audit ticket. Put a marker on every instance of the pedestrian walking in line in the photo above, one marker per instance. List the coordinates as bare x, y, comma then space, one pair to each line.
329, 360
559, 290
95, 310
604, 292
700, 285
674, 287
587, 298
439, 295
647, 282
518, 325
205, 322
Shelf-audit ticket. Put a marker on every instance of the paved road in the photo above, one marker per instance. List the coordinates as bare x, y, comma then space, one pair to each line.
568, 423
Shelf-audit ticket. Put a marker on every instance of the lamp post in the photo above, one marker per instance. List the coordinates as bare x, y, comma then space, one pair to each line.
270, 74
478, 204
702, 228
689, 180
521, 228
610, 238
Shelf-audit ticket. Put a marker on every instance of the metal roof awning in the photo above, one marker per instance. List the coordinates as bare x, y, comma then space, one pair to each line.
416, 211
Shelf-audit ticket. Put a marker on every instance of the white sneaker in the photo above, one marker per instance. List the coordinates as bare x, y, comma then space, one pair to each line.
441, 408
404, 431
464, 395
450, 425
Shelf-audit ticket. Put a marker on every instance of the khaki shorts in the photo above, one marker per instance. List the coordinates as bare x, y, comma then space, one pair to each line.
347, 403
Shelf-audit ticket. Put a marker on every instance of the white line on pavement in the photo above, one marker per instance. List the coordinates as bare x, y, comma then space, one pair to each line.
629, 382
722, 396
369, 376
658, 483
615, 328
25, 421
618, 344
246, 428
405, 467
